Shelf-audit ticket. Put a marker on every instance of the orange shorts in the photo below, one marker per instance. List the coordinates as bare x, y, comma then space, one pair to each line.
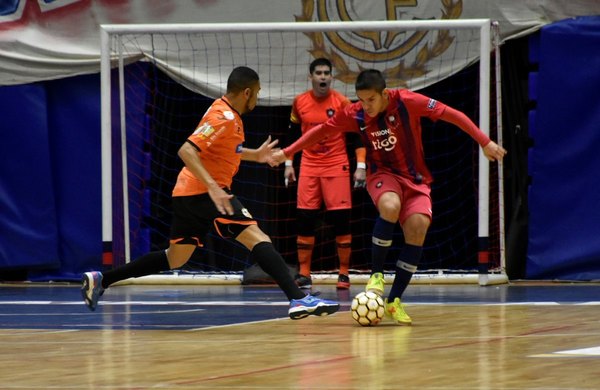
334, 191
414, 198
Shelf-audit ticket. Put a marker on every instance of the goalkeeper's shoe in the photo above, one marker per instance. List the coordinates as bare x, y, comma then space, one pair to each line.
343, 282
376, 284
304, 282
91, 289
395, 310
311, 305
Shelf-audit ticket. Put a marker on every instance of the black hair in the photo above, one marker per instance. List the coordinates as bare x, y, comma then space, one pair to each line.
318, 62
241, 78
371, 79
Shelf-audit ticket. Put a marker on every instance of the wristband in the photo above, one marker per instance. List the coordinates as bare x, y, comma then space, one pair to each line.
361, 165
289, 163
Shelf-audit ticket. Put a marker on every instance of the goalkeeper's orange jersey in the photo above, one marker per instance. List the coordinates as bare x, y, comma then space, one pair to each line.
218, 138
329, 157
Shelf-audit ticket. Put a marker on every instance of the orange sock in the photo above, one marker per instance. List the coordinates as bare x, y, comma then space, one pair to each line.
305, 251
344, 250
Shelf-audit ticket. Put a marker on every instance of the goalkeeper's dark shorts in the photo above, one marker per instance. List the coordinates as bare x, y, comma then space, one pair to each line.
195, 216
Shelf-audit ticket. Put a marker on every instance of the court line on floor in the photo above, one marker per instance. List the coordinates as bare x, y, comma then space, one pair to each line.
571, 353
282, 303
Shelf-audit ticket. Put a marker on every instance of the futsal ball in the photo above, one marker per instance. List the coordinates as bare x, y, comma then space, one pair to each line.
367, 308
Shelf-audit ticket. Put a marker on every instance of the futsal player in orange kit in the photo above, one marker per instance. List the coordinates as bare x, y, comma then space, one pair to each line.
324, 173
202, 202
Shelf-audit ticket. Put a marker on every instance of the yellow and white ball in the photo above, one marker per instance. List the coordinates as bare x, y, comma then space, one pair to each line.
367, 308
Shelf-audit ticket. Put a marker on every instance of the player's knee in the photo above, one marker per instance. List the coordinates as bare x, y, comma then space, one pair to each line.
415, 228
389, 206
340, 219
389, 212
306, 222
252, 236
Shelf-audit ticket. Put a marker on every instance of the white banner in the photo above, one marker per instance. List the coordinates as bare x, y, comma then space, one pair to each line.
45, 39
412, 54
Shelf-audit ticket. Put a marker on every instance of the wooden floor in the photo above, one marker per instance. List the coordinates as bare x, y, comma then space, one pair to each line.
232, 337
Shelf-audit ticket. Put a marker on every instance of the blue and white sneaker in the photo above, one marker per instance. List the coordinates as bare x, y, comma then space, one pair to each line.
311, 305
91, 289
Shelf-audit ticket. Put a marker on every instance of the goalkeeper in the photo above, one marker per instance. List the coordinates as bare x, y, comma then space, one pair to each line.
202, 202
324, 173
398, 181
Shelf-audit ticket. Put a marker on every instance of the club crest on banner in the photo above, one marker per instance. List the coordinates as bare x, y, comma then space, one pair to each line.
400, 55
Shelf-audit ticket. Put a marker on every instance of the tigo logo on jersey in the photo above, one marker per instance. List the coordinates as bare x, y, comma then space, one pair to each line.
383, 139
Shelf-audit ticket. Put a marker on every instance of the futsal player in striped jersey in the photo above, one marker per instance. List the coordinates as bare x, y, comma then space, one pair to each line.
324, 173
398, 180
202, 202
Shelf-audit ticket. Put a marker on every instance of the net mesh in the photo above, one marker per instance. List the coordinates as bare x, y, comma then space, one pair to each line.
170, 81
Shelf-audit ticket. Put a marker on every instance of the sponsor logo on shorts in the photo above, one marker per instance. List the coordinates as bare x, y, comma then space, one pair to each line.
246, 213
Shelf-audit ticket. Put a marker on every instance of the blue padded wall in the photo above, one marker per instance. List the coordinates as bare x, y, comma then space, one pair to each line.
564, 198
74, 130
28, 217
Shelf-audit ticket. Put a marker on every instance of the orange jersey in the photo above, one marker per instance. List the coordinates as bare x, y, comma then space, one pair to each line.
218, 137
329, 156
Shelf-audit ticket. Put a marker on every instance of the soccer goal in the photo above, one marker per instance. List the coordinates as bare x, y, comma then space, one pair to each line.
157, 81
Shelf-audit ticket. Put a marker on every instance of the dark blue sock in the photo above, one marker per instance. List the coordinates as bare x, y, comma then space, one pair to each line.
383, 232
409, 258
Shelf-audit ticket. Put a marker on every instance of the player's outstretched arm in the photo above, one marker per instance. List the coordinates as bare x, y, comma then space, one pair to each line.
277, 157
491, 150
309, 138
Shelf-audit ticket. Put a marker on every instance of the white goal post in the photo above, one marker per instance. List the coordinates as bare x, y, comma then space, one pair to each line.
118, 49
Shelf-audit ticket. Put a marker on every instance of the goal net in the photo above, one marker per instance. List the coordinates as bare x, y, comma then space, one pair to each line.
158, 80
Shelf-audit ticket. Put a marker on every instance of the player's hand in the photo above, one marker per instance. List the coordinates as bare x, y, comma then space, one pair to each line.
360, 178
494, 152
289, 176
265, 151
277, 157
221, 199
